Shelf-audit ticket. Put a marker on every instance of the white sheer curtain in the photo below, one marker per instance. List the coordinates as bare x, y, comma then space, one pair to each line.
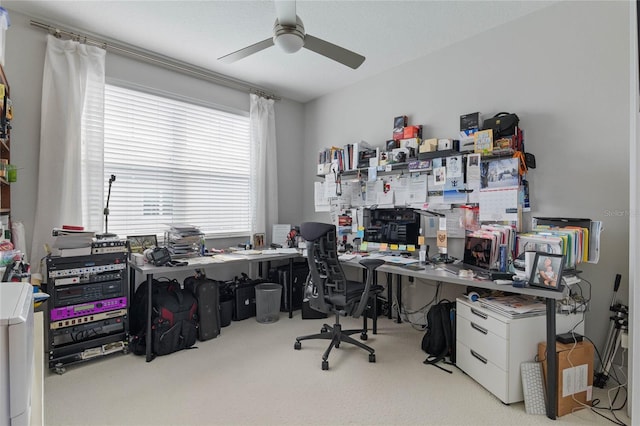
264, 164
70, 177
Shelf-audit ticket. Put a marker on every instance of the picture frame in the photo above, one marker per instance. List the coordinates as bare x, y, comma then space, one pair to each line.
546, 271
258, 241
139, 243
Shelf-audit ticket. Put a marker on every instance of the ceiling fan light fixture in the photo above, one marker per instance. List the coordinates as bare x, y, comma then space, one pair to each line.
290, 43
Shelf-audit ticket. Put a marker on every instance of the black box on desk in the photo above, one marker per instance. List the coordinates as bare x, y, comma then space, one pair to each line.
309, 313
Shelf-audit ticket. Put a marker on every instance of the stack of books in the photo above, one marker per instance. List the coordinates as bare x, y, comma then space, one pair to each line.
516, 306
184, 241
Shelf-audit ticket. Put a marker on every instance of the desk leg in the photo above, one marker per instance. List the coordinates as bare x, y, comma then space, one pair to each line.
389, 294
132, 285
148, 339
552, 367
399, 296
289, 285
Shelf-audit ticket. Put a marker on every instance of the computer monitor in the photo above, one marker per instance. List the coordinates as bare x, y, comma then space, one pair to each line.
393, 226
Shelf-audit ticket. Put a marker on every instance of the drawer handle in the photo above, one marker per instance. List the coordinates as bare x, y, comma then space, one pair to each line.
480, 314
480, 329
477, 355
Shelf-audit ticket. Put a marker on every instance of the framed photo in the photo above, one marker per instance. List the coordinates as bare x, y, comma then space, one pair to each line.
258, 241
139, 243
546, 271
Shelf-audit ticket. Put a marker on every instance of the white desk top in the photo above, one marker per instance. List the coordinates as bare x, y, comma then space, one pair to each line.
207, 261
431, 273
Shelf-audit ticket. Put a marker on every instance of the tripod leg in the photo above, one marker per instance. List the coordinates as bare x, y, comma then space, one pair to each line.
612, 356
600, 379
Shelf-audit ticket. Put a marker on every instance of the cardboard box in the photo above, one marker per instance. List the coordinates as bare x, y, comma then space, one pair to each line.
575, 374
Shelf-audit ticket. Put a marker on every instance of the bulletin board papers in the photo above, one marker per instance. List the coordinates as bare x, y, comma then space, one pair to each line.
279, 234
411, 190
320, 197
499, 204
454, 224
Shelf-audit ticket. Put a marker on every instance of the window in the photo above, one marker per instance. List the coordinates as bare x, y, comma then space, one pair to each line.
175, 162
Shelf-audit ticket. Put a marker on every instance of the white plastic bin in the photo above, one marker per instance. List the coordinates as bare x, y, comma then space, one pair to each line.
268, 302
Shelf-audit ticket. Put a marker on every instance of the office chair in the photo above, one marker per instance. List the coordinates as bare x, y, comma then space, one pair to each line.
329, 291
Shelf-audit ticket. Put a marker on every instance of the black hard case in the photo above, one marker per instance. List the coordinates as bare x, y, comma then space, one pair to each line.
243, 291
281, 275
206, 292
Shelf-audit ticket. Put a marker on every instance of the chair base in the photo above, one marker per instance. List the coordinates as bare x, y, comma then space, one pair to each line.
337, 335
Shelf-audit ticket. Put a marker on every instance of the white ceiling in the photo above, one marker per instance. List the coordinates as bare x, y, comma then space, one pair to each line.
387, 33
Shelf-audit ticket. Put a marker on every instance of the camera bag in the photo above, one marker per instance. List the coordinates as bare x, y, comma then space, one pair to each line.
503, 124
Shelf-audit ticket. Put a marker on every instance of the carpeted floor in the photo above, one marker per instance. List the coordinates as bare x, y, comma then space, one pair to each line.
251, 375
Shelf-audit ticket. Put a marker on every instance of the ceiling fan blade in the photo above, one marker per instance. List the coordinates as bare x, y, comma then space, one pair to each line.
249, 50
331, 51
286, 12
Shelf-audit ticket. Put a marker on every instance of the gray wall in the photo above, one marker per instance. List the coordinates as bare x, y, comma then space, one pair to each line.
24, 62
565, 71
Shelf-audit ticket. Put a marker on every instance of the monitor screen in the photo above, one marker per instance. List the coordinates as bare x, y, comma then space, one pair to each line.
393, 226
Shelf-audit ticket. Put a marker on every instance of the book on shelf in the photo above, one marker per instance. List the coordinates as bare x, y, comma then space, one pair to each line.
483, 141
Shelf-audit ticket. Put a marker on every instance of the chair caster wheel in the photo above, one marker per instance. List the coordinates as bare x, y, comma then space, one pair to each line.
325, 365
324, 330
297, 346
337, 345
372, 357
363, 336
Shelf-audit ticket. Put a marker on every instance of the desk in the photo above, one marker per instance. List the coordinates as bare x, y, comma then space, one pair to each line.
193, 264
428, 272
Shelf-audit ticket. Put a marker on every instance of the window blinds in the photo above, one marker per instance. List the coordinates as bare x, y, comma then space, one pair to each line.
175, 163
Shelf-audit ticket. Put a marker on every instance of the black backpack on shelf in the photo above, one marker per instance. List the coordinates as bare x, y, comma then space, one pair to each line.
439, 340
174, 318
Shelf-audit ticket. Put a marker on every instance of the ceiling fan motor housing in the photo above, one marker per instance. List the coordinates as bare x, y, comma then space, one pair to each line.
289, 38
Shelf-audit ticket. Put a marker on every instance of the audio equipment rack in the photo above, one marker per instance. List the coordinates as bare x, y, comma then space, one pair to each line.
87, 312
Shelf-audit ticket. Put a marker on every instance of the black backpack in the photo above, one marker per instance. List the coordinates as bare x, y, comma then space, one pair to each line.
439, 341
174, 318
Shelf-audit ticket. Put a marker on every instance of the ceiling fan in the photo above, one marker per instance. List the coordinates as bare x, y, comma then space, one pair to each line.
289, 35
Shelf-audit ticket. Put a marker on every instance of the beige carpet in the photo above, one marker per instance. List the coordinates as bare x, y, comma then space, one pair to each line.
251, 375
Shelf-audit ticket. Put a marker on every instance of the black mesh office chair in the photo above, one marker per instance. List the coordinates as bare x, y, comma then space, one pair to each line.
329, 291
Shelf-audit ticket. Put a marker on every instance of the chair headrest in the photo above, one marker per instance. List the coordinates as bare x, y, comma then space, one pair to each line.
311, 231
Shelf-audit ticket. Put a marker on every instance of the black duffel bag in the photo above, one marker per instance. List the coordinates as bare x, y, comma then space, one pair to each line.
503, 124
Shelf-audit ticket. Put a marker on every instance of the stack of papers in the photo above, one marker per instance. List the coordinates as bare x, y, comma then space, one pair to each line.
517, 306
70, 239
184, 240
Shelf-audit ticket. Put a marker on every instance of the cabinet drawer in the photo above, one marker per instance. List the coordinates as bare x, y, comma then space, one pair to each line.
483, 371
483, 317
483, 341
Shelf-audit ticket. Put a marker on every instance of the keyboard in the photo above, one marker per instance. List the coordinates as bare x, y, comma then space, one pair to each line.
533, 388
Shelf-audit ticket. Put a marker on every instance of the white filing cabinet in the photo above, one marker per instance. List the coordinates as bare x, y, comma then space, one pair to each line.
490, 347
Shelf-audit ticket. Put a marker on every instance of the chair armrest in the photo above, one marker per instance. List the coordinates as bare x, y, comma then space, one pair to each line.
371, 265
